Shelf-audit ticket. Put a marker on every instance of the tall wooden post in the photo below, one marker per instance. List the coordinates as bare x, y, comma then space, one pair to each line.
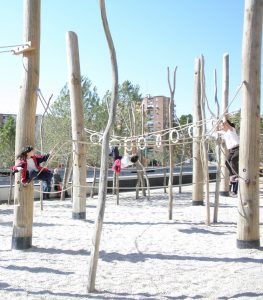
67, 173
204, 141
11, 183
224, 183
77, 116
171, 154
198, 186
94, 253
25, 124
248, 202
218, 155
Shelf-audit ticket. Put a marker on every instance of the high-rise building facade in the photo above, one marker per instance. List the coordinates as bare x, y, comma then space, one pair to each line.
4, 118
156, 111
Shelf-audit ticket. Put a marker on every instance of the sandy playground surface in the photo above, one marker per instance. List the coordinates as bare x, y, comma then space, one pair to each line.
143, 255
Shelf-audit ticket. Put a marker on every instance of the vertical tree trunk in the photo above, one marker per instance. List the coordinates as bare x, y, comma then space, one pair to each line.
204, 155
78, 136
248, 204
92, 188
182, 162
218, 155
224, 183
141, 171
117, 189
41, 149
164, 173
171, 154
142, 162
114, 175
67, 172
140, 174
198, 187
11, 182
94, 255
25, 125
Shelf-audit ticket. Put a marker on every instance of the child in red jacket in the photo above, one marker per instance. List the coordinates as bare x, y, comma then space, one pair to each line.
30, 167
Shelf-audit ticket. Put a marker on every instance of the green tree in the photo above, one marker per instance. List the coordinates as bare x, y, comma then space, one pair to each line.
7, 143
235, 118
56, 128
183, 150
186, 119
128, 119
57, 125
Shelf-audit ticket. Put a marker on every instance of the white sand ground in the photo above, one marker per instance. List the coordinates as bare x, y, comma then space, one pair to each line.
143, 255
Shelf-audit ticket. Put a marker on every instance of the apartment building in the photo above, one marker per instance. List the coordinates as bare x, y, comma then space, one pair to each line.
156, 110
4, 118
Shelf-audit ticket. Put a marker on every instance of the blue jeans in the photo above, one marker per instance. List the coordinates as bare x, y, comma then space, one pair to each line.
45, 176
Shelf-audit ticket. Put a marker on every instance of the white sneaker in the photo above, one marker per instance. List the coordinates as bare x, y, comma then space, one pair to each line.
232, 194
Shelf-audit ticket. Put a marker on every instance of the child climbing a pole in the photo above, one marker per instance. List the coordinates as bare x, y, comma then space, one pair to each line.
232, 143
30, 167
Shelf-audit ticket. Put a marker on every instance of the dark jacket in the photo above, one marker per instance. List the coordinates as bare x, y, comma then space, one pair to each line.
115, 153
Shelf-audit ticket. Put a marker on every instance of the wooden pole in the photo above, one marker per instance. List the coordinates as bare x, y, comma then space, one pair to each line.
117, 189
198, 187
204, 155
11, 182
25, 124
182, 161
92, 188
164, 173
218, 155
171, 154
224, 183
141, 173
78, 135
41, 149
114, 179
94, 255
143, 159
248, 202
143, 152
67, 173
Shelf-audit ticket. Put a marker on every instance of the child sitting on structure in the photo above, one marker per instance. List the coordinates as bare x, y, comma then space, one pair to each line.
30, 168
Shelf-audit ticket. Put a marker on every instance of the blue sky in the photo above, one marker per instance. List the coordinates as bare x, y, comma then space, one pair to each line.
149, 36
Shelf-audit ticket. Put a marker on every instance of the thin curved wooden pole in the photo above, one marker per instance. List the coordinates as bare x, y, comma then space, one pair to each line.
94, 255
